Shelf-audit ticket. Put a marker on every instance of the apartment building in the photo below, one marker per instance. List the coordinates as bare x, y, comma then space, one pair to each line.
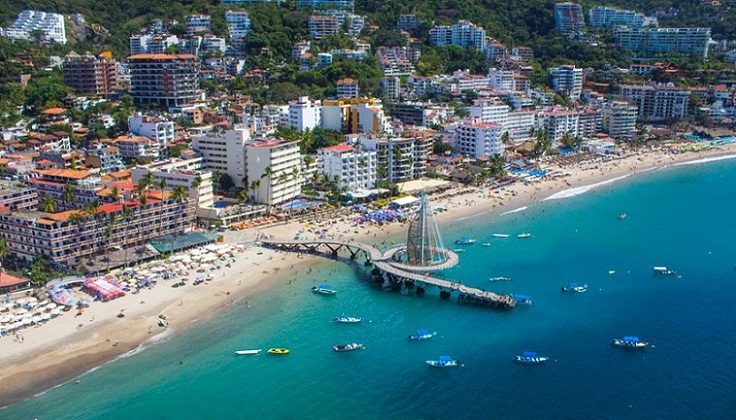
284, 162
394, 61
476, 139
156, 128
408, 23
151, 44
502, 80
608, 17
355, 168
650, 42
524, 53
391, 88
348, 88
187, 173
464, 34
619, 120
304, 113
69, 188
238, 23
399, 158
198, 23
170, 80
362, 115
137, 147
225, 152
90, 75
326, 4
321, 26
49, 25
657, 103
590, 122
251, 2
569, 17
104, 158
557, 122
15, 196
65, 238
567, 80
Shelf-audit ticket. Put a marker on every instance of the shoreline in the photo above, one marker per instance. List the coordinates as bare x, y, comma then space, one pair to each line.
49, 360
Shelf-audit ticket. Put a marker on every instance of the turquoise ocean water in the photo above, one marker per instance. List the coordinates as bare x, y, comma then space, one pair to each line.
680, 217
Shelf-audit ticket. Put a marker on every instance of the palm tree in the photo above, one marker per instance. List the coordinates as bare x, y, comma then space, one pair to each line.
115, 194
179, 193
48, 204
127, 215
108, 235
243, 196
161, 184
143, 199
216, 177
3, 252
255, 185
69, 194
146, 180
506, 140
268, 172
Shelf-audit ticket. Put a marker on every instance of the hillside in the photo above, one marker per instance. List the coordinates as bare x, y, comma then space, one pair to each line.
514, 22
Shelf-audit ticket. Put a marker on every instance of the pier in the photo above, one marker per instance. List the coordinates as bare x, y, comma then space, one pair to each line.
404, 266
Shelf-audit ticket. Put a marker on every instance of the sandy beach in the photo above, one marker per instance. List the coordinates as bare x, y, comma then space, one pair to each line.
69, 345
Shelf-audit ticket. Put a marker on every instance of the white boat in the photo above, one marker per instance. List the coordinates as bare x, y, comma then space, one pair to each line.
524, 235
629, 343
664, 271
530, 357
444, 361
422, 335
347, 319
575, 288
243, 352
499, 279
347, 347
465, 241
501, 235
486, 244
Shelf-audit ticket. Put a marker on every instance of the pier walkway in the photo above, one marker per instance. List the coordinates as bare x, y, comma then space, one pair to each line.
400, 272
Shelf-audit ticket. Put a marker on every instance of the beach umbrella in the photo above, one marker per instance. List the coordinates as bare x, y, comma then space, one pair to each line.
56, 312
45, 317
36, 319
26, 321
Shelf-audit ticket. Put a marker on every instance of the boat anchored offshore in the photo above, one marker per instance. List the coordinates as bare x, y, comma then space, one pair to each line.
499, 279
465, 241
278, 351
443, 361
664, 271
347, 319
629, 342
243, 352
523, 299
501, 235
622, 216
524, 235
324, 289
486, 244
422, 335
347, 347
575, 288
530, 357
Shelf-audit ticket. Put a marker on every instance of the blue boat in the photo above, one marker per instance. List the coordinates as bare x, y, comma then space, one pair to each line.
422, 335
523, 299
444, 361
465, 241
324, 289
530, 357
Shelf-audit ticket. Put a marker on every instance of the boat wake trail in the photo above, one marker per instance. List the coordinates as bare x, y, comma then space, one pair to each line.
515, 210
705, 160
573, 192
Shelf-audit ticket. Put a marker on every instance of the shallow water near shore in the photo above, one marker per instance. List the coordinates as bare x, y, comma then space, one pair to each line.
678, 217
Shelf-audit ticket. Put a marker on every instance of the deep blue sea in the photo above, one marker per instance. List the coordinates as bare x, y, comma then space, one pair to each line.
681, 217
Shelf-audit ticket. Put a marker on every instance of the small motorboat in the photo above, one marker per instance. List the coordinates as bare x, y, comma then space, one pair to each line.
499, 279
458, 250
524, 235
501, 235
664, 271
324, 289
486, 244
347, 319
622, 216
443, 361
347, 347
421, 335
629, 342
530, 357
575, 288
465, 241
523, 299
278, 351
244, 352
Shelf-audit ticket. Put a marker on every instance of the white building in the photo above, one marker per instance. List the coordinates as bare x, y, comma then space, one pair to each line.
356, 169
569, 17
284, 161
391, 88
502, 80
558, 122
51, 25
304, 113
650, 42
180, 172
464, 34
158, 129
399, 158
619, 120
476, 139
567, 80
606, 17
238, 23
225, 153
137, 147
489, 110
348, 88
198, 23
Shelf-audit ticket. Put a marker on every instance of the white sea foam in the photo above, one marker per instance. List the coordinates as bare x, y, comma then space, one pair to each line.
573, 192
705, 160
515, 210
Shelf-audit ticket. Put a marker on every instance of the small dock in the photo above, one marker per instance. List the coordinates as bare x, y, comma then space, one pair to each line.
393, 271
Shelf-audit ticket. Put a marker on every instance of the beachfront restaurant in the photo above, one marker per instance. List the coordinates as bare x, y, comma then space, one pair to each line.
404, 203
10, 283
